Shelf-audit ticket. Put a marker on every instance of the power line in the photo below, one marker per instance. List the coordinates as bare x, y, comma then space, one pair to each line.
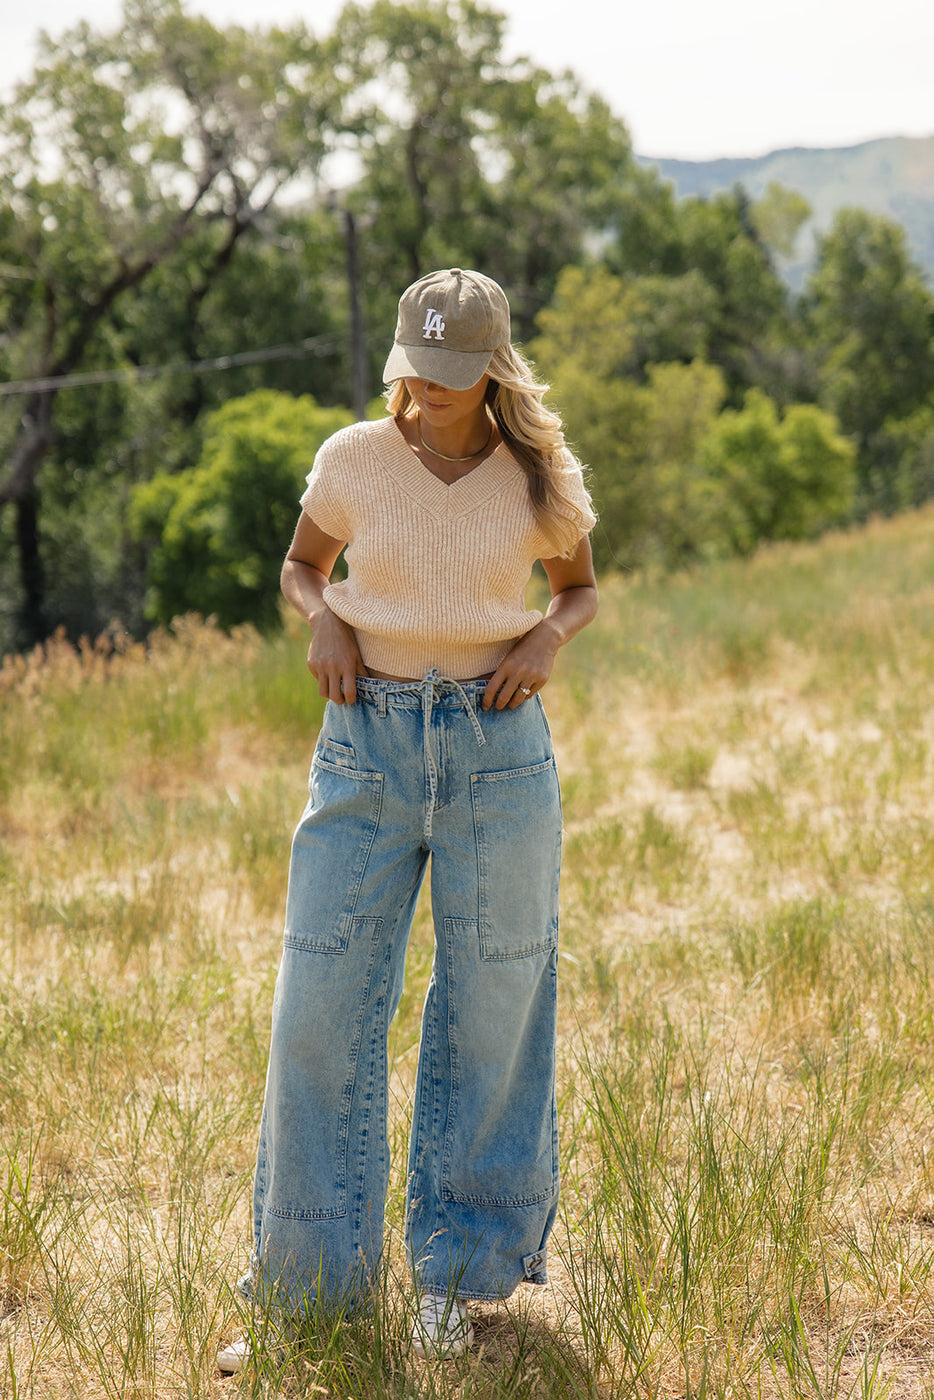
313, 346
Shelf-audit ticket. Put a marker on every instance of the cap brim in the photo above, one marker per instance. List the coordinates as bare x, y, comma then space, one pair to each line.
454, 369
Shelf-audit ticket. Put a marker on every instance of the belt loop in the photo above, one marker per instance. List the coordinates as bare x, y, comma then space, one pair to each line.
381, 697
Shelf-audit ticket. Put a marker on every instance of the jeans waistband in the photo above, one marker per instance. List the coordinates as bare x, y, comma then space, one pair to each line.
411, 695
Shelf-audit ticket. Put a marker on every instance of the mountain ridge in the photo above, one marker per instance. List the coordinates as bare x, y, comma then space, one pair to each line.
891, 175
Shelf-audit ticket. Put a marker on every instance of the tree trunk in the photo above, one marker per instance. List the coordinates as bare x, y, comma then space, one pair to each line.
31, 624
20, 491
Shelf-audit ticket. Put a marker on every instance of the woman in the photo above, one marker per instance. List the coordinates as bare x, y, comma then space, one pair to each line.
434, 743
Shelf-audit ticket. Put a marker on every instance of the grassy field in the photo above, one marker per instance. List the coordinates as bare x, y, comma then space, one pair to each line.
746, 1018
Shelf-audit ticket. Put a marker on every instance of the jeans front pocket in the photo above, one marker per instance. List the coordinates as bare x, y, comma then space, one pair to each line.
330, 850
517, 825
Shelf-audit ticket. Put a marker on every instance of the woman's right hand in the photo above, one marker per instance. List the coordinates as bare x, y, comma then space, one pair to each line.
334, 657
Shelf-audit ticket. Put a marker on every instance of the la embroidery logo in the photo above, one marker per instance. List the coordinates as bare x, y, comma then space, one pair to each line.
434, 325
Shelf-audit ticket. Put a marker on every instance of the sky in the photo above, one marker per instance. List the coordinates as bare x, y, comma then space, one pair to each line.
692, 79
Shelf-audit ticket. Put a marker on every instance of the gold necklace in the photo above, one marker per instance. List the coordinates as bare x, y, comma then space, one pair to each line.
442, 455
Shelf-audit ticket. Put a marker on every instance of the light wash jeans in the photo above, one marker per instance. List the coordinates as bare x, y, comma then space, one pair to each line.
411, 771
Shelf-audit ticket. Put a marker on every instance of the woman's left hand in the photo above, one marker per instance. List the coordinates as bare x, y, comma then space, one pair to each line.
527, 665
523, 670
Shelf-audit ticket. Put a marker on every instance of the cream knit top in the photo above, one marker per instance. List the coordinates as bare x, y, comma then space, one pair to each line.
436, 574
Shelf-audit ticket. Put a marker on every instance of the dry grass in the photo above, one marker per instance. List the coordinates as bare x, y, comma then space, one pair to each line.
747, 1017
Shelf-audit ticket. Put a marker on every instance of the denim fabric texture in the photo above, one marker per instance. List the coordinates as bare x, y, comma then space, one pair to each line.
416, 775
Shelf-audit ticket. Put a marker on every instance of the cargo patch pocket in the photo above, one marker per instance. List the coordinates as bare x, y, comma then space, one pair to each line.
311, 1085
501, 1129
517, 824
330, 851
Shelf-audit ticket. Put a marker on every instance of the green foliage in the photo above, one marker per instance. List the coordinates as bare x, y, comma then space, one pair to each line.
778, 478
740, 309
221, 528
639, 438
681, 405
673, 318
672, 480
903, 459
720, 238
475, 161
132, 164
585, 348
142, 224
778, 216
871, 317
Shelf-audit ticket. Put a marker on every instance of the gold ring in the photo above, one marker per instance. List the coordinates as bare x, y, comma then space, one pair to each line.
525, 690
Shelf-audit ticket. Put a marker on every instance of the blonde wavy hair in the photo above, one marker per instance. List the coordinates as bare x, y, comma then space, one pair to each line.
534, 436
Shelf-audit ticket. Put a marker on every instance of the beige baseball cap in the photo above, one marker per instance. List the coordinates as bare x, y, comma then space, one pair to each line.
450, 322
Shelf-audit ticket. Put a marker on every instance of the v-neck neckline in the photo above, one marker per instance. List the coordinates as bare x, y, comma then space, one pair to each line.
448, 500
485, 453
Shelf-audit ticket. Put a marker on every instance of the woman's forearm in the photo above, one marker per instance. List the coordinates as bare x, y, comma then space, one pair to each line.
303, 588
333, 655
569, 612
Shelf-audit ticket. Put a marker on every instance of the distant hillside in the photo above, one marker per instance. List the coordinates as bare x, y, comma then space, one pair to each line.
893, 176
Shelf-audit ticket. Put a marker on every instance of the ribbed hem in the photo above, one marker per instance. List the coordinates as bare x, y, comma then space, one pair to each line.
411, 660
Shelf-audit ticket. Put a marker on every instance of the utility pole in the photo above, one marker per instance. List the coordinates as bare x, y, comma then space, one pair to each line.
357, 330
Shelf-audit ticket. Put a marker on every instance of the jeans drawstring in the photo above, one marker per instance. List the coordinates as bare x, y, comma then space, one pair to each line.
427, 688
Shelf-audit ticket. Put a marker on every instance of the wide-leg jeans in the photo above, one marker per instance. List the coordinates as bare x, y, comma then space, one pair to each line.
412, 772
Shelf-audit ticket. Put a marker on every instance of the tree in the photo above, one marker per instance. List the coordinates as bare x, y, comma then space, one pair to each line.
778, 478
639, 430
682, 403
871, 321
563, 167
777, 217
903, 459
674, 479
675, 318
585, 349
714, 250
168, 135
218, 532
467, 159
159, 233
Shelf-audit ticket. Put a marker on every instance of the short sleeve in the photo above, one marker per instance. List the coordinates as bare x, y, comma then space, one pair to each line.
574, 515
325, 498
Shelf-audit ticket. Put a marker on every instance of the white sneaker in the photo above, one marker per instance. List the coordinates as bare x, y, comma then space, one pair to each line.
442, 1328
232, 1358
